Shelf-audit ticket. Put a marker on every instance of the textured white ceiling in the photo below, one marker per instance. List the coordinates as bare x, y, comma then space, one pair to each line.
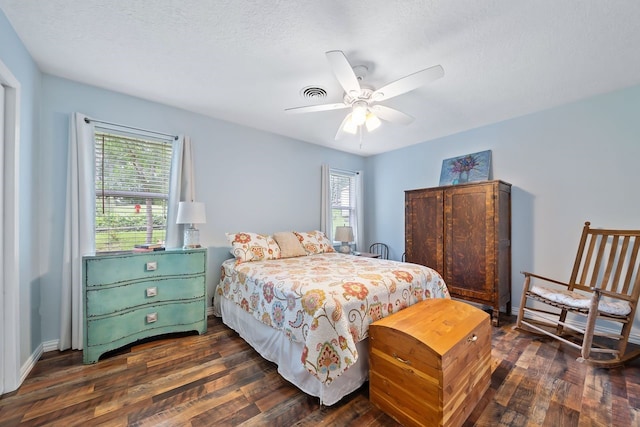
246, 61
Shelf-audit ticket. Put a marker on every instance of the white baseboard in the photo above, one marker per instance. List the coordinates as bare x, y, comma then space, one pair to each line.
50, 345
30, 363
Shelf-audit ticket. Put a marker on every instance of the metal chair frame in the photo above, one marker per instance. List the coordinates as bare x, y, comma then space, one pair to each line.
381, 249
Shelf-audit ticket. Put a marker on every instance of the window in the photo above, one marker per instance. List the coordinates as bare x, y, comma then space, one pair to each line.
343, 199
132, 190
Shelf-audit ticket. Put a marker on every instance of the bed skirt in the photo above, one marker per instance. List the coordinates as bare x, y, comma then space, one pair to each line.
274, 346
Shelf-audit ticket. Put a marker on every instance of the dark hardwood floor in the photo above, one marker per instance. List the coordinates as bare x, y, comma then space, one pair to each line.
218, 380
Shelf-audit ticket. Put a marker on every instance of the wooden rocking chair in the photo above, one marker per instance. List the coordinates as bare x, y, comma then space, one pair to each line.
594, 312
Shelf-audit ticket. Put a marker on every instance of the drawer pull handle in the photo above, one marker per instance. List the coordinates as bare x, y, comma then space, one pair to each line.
472, 338
400, 359
152, 317
152, 292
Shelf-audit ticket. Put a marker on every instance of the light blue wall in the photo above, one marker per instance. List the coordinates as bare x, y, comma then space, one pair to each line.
16, 58
567, 165
248, 179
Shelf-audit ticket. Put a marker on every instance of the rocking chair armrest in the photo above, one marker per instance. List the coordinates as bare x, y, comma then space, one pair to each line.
610, 294
537, 276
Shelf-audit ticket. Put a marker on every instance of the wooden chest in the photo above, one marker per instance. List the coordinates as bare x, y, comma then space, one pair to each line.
430, 364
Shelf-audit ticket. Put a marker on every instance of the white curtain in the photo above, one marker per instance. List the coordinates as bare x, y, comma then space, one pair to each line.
359, 226
79, 225
182, 188
325, 203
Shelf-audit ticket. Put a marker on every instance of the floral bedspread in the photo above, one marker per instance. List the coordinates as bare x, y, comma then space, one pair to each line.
327, 301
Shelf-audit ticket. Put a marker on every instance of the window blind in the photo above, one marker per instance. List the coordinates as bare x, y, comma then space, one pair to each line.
132, 190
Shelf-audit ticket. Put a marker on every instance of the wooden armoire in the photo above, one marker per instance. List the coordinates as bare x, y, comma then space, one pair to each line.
464, 232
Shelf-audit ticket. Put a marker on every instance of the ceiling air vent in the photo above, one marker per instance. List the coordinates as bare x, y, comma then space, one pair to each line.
313, 92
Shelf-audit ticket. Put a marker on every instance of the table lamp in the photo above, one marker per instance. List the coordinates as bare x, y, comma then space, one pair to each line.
344, 235
191, 213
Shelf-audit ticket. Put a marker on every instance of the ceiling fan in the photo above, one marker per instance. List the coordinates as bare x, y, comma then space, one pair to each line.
363, 101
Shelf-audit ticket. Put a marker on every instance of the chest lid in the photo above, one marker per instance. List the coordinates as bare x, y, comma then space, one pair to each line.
437, 323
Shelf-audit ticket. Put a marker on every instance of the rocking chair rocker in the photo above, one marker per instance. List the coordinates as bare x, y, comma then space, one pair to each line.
594, 312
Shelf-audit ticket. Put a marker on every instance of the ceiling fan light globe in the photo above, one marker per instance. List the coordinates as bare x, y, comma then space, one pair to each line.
359, 113
373, 122
350, 126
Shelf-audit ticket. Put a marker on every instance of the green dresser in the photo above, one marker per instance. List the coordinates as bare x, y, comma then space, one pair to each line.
131, 296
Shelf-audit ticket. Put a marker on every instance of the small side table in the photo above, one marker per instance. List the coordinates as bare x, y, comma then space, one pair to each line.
367, 254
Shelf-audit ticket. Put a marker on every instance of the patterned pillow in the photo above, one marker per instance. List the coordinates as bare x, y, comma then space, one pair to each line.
314, 242
324, 242
253, 247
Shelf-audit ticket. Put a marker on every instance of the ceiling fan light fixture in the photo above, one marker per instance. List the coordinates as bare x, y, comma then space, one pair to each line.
359, 112
350, 126
373, 122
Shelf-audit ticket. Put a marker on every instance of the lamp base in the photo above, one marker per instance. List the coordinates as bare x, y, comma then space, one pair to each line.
191, 238
345, 248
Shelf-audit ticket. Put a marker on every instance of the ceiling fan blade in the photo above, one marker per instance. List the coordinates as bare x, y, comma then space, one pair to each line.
391, 114
343, 72
408, 83
313, 108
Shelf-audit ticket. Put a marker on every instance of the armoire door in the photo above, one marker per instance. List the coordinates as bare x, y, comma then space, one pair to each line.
469, 236
424, 228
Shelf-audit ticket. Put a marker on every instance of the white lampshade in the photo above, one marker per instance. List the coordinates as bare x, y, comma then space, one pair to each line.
344, 235
191, 213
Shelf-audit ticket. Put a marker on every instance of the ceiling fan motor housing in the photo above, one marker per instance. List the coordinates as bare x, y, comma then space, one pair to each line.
364, 95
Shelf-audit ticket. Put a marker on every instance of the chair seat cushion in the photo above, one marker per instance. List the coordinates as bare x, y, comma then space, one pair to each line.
580, 301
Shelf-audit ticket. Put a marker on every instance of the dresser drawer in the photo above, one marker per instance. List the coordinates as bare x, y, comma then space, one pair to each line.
114, 269
143, 322
101, 300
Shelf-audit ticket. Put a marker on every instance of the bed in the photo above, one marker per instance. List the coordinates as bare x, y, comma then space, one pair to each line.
310, 314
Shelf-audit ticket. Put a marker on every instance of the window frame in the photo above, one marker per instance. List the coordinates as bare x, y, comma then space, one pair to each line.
164, 165
352, 207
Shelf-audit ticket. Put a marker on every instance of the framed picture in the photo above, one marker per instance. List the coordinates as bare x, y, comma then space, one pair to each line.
467, 168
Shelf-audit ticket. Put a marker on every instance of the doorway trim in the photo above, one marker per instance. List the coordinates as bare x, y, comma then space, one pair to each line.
9, 246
